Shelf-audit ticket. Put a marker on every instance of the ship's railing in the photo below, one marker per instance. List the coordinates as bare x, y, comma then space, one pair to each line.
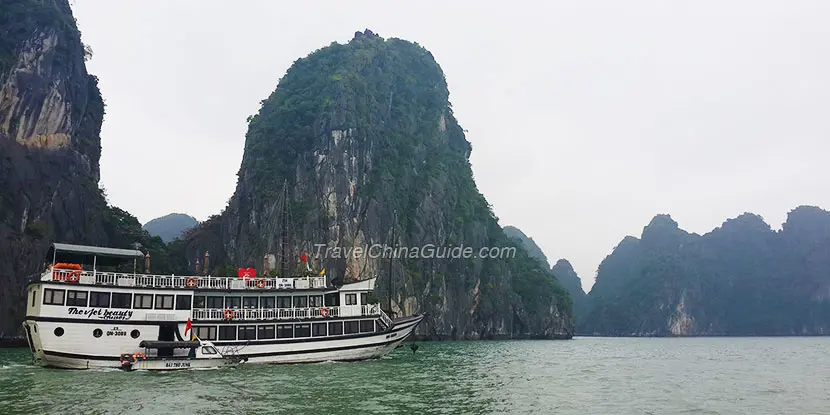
371, 310
384, 318
174, 281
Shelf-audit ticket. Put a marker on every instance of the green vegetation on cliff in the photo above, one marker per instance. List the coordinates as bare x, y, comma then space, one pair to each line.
740, 279
365, 139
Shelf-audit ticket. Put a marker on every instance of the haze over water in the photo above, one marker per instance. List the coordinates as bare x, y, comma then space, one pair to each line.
583, 376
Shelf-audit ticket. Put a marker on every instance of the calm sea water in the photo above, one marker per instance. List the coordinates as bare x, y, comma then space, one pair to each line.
582, 376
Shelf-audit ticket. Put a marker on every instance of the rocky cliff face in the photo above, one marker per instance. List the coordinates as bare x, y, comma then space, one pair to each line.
364, 139
740, 279
50, 118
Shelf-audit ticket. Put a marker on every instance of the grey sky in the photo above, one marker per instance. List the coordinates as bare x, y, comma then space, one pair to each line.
587, 118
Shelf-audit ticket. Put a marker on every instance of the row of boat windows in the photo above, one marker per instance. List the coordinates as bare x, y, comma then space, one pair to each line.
183, 302
283, 331
115, 300
267, 302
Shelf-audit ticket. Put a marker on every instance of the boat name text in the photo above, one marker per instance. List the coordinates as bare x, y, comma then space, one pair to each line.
101, 313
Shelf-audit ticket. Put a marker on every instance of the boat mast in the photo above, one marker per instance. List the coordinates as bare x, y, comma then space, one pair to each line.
284, 232
394, 220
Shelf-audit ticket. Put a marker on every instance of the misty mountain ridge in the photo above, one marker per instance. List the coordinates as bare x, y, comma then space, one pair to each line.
563, 270
171, 226
742, 278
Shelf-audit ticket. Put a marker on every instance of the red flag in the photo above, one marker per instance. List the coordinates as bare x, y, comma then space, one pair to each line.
303, 258
187, 326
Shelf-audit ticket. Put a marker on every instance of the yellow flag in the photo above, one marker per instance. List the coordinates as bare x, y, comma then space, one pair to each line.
323, 271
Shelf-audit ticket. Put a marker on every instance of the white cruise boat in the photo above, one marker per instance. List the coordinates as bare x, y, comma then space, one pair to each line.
80, 315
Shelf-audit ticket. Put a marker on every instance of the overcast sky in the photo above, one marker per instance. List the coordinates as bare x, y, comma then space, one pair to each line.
587, 118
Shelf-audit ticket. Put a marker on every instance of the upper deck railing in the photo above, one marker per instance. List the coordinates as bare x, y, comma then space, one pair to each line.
116, 279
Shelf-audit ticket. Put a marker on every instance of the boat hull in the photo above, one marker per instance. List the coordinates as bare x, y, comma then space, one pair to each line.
362, 347
181, 364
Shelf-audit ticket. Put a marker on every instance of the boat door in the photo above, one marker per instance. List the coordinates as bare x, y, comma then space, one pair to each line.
167, 333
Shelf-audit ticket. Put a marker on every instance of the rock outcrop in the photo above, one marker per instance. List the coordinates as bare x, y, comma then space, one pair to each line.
50, 119
362, 137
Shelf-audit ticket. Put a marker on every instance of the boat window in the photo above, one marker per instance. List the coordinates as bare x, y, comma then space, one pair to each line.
283, 302
135, 333
350, 327
364, 298
183, 302
121, 300
285, 331
318, 329
214, 302
99, 299
227, 332
315, 301
97, 333
267, 302
53, 297
58, 331
232, 302
302, 330
300, 301
143, 301
77, 298
351, 299
265, 332
336, 328
247, 333
367, 326
332, 300
208, 350
164, 302
250, 302
205, 332
199, 301
34, 297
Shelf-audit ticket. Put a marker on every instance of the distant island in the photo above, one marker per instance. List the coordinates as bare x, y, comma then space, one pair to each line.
741, 279
170, 227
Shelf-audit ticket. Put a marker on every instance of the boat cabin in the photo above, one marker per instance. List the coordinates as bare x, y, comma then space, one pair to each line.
198, 349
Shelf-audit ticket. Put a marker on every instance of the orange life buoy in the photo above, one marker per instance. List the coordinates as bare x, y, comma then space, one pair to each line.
139, 355
324, 312
260, 283
229, 314
74, 276
191, 282
62, 265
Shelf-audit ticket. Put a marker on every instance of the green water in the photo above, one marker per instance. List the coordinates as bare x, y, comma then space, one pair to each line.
582, 376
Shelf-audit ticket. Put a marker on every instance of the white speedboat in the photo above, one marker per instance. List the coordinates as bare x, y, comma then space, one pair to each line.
201, 355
